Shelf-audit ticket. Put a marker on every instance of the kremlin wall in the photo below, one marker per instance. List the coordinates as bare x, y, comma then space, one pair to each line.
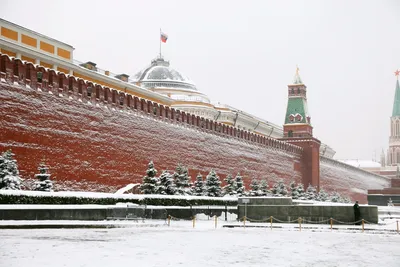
98, 133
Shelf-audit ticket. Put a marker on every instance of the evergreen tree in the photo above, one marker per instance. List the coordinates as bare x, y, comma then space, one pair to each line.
230, 187
150, 181
255, 187
213, 184
336, 197
240, 188
166, 184
322, 195
279, 189
346, 200
44, 183
182, 179
199, 186
293, 190
300, 191
311, 192
264, 188
9, 174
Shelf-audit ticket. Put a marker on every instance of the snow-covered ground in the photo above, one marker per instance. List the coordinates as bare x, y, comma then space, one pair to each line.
156, 244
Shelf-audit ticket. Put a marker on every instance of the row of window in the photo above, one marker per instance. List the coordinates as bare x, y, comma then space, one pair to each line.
194, 98
168, 85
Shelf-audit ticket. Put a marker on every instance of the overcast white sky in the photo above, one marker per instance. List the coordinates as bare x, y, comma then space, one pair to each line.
244, 53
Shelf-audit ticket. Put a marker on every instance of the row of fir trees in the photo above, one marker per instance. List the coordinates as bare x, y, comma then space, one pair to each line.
178, 183
11, 180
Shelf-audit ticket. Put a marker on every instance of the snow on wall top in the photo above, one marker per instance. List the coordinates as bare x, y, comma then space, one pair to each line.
361, 163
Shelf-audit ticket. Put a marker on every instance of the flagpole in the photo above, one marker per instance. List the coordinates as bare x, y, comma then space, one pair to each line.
159, 37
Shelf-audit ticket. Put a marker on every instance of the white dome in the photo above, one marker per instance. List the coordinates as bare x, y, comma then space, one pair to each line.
160, 74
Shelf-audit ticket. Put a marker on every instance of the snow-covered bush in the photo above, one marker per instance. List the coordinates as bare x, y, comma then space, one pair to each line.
264, 188
213, 185
311, 192
166, 184
230, 187
254, 188
300, 191
182, 180
150, 181
279, 189
198, 188
336, 197
293, 190
240, 188
44, 183
322, 195
9, 174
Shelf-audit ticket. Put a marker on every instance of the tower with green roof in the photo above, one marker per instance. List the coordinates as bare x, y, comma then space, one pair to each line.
393, 155
297, 119
297, 130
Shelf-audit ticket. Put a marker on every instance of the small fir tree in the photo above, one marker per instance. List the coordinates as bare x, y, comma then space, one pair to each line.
311, 192
300, 191
213, 184
293, 190
166, 184
336, 197
9, 174
230, 187
322, 195
279, 189
255, 187
264, 188
240, 188
199, 186
150, 181
346, 200
44, 183
182, 180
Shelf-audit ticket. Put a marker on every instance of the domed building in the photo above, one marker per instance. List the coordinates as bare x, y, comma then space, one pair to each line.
161, 78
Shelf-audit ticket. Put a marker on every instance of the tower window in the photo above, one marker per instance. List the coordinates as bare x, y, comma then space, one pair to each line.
290, 133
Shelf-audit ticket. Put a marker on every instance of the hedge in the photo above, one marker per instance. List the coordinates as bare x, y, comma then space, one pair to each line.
154, 201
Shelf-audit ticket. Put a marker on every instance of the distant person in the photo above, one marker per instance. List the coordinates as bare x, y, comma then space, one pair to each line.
390, 202
357, 214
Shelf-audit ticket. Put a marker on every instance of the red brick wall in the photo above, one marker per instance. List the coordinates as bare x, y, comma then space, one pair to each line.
349, 180
102, 148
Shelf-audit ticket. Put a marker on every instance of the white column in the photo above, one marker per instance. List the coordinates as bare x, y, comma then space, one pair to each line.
55, 67
19, 55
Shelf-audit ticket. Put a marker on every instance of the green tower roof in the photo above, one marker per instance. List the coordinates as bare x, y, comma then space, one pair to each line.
396, 104
295, 106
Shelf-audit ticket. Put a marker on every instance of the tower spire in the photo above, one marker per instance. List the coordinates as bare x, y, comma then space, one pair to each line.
297, 79
396, 102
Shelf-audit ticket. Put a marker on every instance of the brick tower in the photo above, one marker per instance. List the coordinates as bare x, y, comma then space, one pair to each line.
393, 155
297, 130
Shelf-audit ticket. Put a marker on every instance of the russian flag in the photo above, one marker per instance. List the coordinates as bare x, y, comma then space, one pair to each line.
164, 37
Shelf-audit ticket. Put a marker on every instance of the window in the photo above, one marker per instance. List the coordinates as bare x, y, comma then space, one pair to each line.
290, 133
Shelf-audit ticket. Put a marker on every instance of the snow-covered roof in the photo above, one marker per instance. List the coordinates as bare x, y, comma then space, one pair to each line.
160, 72
361, 163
